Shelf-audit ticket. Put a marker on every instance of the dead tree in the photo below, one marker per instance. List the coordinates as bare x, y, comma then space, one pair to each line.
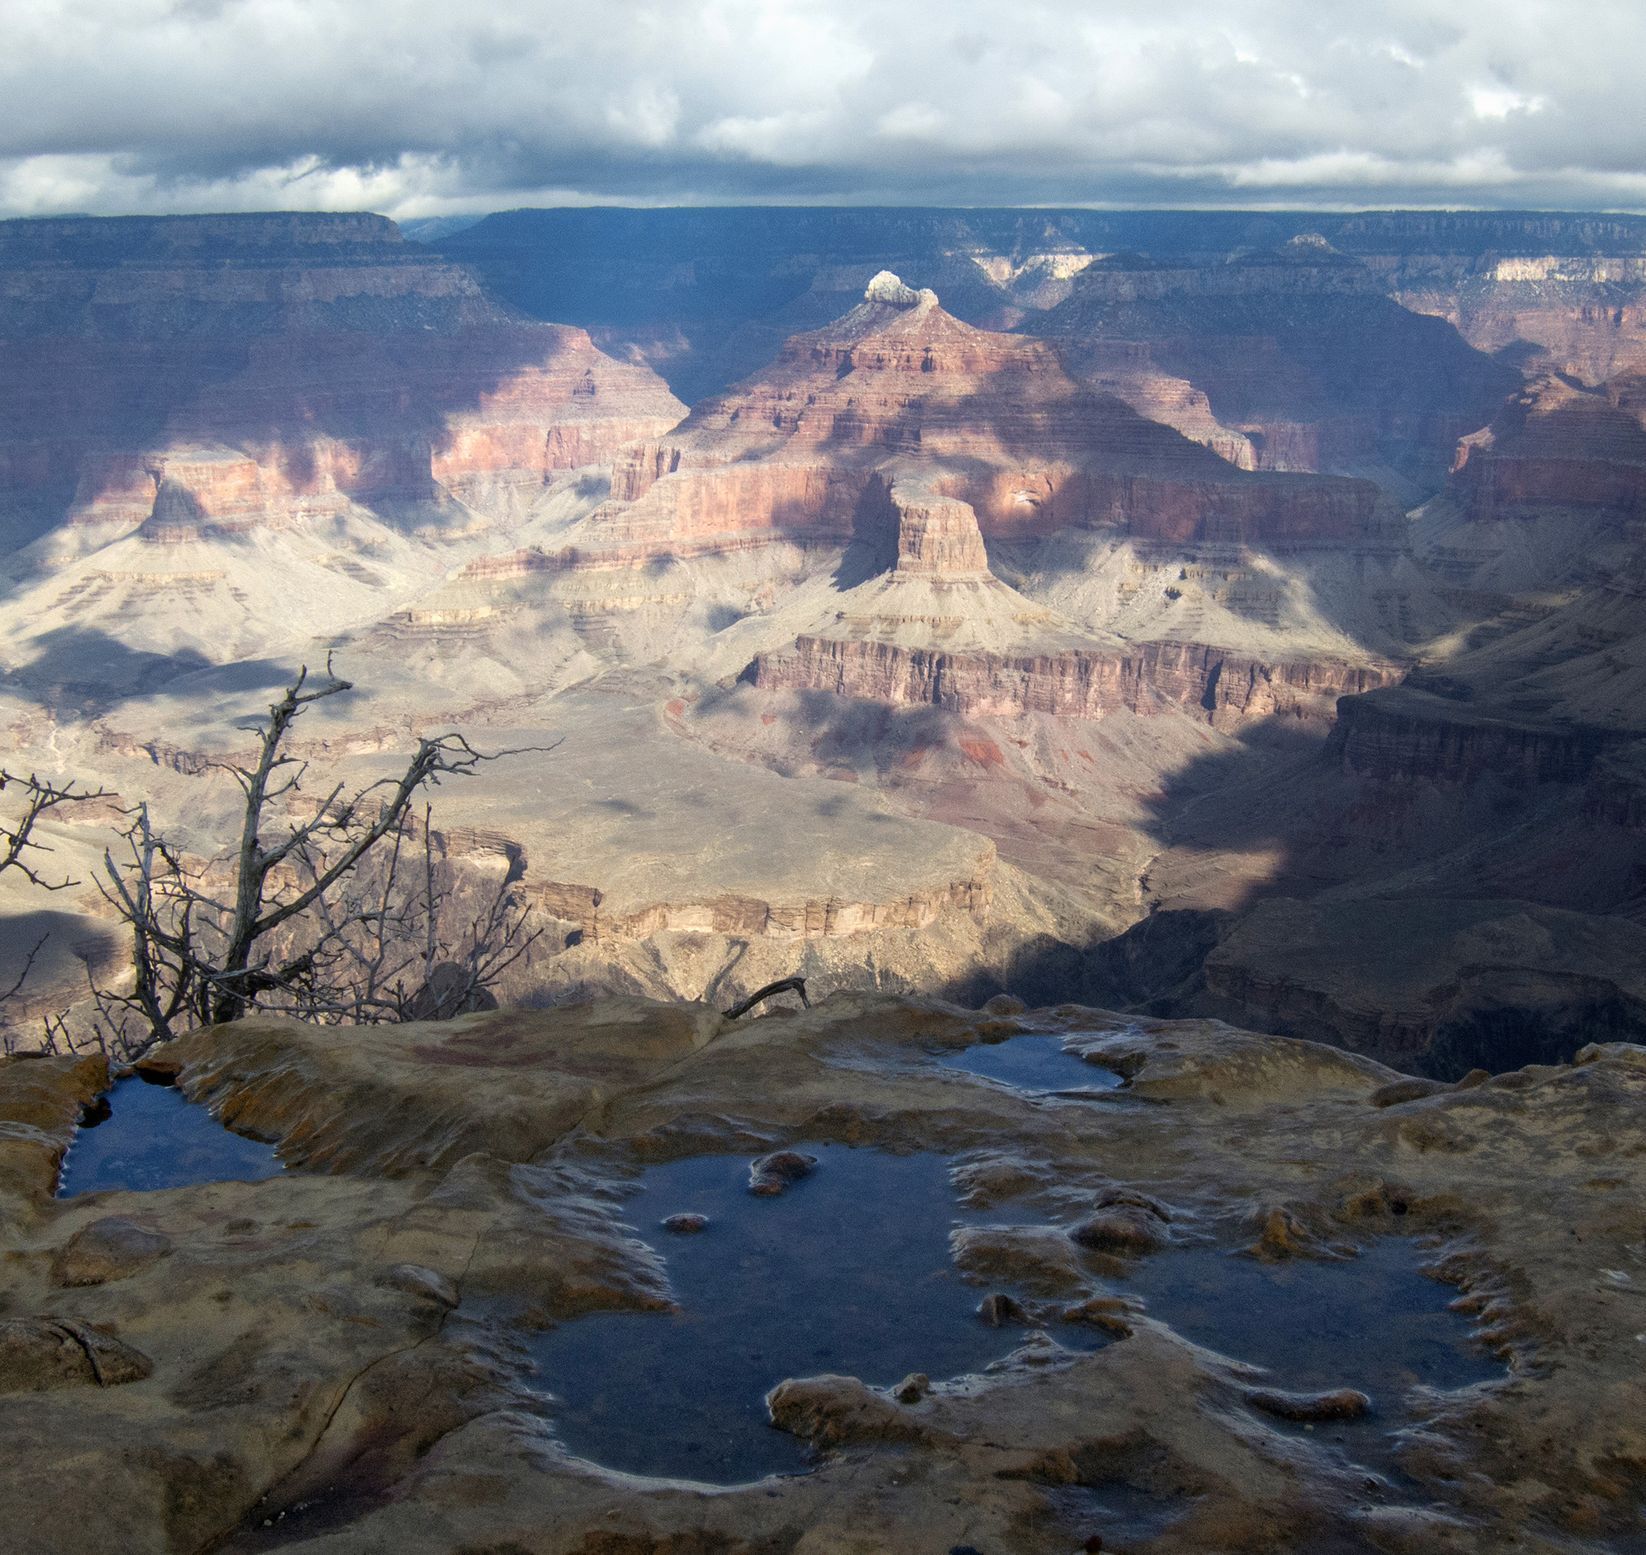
273, 935
403, 940
39, 796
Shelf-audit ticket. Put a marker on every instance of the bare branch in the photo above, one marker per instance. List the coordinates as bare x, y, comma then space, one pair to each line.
40, 796
320, 920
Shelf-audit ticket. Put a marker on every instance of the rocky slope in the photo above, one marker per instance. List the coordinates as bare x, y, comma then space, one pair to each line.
314, 361
1486, 810
708, 295
195, 407
918, 442
1288, 360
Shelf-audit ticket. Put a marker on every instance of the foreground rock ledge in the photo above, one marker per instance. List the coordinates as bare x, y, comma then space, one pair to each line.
309, 1362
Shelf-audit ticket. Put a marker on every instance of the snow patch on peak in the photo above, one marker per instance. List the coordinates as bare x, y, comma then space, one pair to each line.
889, 288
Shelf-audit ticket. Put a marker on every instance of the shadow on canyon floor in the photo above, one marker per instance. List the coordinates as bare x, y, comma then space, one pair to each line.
86, 672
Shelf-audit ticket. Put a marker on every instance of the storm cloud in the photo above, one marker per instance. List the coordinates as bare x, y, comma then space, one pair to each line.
424, 107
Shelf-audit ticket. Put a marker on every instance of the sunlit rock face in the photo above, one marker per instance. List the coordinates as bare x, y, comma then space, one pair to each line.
921, 441
992, 419
277, 369
1558, 445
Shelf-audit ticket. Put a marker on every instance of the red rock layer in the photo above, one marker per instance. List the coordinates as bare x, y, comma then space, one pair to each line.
938, 537
261, 372
990, 419
1555, 445
1078, 683
1583, 316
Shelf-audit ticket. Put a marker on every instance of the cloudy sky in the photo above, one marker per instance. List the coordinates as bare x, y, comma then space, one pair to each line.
432, 107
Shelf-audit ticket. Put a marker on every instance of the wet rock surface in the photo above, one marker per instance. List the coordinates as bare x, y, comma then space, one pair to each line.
331, 1360
111, 1249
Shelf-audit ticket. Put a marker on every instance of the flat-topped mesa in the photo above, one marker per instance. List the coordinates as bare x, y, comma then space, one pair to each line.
1077, 680
937, 536
940, 629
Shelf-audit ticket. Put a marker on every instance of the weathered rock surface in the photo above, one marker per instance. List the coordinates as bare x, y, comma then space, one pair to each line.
793, 450
111, 1249
1301, 360
1076, 683
331, 1369
39, 1355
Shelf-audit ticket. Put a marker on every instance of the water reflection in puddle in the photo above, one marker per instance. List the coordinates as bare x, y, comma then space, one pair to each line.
154, 1137
1373, 1323
1033, 1063
848, 1271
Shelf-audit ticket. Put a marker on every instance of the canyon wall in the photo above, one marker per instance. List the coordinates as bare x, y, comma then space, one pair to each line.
1223, 688
274, 368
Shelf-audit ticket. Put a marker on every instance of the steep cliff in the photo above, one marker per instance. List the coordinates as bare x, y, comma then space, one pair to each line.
1302, 362
266, 369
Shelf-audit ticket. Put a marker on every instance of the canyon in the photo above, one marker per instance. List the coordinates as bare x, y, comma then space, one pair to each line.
1161, 695
1140, 608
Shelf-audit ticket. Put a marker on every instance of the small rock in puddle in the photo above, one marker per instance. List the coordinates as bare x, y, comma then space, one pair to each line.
1002, 1311
1340, 1404
1037, 1063
155, 1137
685, 1224
848, 1273
1123, 1227
773, 1173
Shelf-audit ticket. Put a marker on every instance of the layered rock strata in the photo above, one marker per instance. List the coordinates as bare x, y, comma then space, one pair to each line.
1413, 735
993, 420
1303, 363
237, 371
1558, 446
1078, 683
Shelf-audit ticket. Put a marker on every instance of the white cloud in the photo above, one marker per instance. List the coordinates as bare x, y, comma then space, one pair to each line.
421, 107
1498, 102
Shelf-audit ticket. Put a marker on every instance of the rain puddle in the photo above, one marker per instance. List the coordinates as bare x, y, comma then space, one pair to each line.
847, 1271
1037, 1063
154, 1137
1373, 1323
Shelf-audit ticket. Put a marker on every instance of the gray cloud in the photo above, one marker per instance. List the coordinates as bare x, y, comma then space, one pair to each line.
422, 107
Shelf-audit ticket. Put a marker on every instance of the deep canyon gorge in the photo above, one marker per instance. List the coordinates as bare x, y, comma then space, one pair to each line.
1209, 645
